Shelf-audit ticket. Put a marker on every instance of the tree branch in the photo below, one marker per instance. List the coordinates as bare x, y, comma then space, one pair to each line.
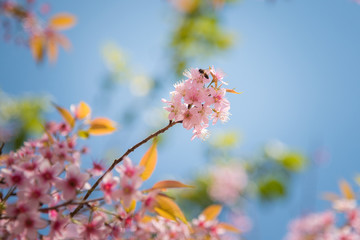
70, 202
116, 161
1, 147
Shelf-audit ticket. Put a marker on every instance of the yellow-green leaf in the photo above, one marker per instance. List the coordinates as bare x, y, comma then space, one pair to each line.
132, 207
170, 184
3, 157
66, 115
211, 212
346, 190
148, 161
83, 110
62, 21
101, 126
83, 134
165, 214
229, 228
167, 208
357, 179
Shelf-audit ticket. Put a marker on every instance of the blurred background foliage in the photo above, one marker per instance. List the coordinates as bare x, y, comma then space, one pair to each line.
234, 181
198, 32
21, 118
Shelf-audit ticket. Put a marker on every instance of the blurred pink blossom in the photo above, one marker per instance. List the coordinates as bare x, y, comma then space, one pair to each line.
227, 182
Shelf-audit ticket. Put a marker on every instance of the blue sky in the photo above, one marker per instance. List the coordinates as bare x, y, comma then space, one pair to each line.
297, 62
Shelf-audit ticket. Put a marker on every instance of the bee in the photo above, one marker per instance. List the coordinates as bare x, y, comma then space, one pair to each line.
203, 73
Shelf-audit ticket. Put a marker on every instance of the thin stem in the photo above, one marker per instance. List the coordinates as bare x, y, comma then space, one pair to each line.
1, 147
116, 161
10, 192
70, 202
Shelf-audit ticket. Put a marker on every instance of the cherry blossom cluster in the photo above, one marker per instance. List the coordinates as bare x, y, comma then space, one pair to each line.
341, 222
198, 99
42, 184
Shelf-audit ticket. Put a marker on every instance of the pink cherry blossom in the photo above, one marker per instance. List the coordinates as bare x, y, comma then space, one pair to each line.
57, 227
233, 176
74, 181
128, 170
97, 169
28, 224
108, 186
15, 177
48, 173
128, 191
35, 194
94, 229
194, 103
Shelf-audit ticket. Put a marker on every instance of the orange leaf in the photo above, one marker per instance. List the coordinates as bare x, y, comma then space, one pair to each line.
211, 212
146, 219
101, 126
167, 208
229, 227
37, 47
52, 50
233, 91
3, 157
148, 161
82, 110
62, 21
346, 190
170, 184
66, 115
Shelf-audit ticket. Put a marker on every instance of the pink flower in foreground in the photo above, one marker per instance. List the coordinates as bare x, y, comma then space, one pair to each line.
128, 170
13, 210
128, 192
48, 173
108, 185
16, 177
206, 229
28, 224
35, 194
97, 169
74, 181
93, 230
57, 227
218, 75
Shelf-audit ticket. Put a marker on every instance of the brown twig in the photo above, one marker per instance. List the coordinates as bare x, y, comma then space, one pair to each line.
10, 192
70, 202
1, 147
116, 161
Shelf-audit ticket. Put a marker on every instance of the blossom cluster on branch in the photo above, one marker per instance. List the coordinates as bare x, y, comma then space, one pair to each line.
341, 222
45, 194
198, 99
